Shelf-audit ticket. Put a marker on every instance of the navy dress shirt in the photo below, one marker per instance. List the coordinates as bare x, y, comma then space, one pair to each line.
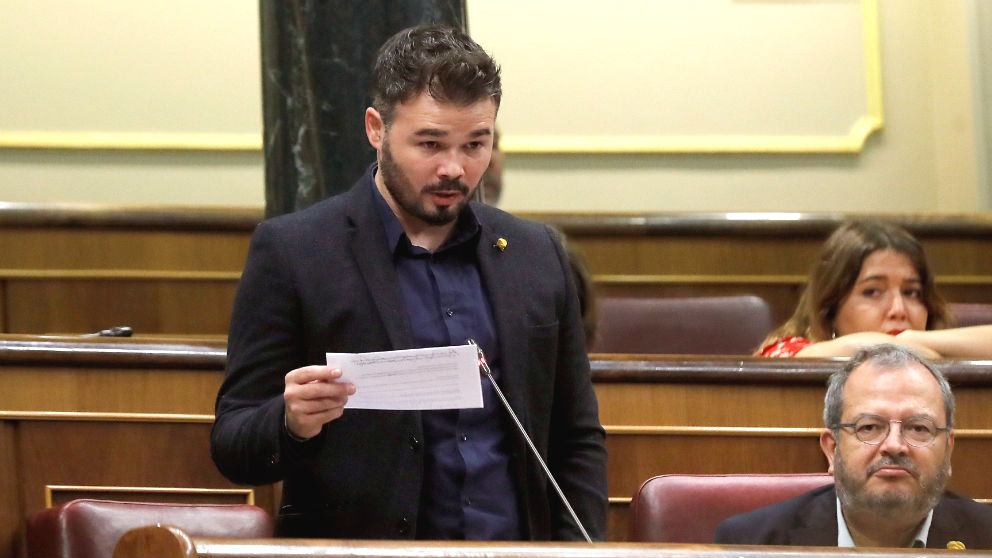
468, 491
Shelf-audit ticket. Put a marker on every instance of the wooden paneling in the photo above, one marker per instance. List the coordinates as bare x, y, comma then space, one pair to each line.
136, 413
126, 419
73, 269
137, 247
146, 305
12, 508
171, 541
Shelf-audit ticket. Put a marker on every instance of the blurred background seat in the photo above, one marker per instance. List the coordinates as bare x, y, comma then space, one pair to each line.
89, 528
717, 325
688, 508
970, 313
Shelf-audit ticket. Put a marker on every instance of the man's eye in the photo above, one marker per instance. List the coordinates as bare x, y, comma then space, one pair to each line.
429, 144
868, 428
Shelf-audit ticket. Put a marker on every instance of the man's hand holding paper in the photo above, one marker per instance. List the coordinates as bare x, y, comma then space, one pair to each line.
314, 395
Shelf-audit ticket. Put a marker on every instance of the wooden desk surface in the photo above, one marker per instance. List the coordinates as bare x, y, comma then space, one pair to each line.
171, 542
88, 416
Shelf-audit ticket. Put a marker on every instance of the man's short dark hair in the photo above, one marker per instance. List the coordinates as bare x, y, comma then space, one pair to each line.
441, 60
886, 356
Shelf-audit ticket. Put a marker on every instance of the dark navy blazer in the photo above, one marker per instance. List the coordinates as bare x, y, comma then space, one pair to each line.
323, 280
810, 519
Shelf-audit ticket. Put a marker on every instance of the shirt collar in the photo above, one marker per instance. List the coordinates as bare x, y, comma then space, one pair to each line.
844, 539
467, 226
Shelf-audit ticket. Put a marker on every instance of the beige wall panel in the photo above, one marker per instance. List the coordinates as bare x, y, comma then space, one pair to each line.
667, 75
156, 66
924, 159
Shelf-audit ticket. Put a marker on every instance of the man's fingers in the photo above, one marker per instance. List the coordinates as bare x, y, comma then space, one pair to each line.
314, 373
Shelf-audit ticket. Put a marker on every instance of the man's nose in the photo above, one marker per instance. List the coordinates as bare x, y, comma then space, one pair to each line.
893, 443
451, 165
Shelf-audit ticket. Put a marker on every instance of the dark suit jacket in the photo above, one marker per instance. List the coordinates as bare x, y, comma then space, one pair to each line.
810, 519
322, 280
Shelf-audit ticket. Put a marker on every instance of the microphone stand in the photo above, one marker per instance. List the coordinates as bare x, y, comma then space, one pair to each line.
484, 369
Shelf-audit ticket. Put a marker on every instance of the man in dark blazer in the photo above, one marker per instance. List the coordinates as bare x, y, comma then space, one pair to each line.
404, 260
889, 416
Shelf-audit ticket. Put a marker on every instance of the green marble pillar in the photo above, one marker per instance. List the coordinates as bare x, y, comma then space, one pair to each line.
316, 60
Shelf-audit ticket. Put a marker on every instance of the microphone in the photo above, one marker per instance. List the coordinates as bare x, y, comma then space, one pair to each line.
484, 369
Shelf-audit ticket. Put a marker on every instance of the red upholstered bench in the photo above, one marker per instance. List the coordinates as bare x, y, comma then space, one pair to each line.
92, 527
688, 508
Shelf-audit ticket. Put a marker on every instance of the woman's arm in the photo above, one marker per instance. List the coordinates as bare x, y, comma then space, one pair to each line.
848, 345
959, 342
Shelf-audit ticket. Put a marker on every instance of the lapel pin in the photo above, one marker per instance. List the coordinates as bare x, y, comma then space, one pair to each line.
500, 244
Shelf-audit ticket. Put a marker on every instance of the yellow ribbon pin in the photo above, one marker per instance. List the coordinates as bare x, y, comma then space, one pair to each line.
500, 244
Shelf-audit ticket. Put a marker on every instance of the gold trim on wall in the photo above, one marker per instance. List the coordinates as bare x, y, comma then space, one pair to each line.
131, 141
128, 274
104, 417
650, 430
853, 142
50, 489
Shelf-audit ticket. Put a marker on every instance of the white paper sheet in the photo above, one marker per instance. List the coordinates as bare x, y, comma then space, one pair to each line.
412, 379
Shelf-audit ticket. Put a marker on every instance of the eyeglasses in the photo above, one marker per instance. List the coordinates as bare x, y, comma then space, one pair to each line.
918, 432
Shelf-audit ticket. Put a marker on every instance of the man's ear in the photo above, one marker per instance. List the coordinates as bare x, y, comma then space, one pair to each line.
828, 443
375, 128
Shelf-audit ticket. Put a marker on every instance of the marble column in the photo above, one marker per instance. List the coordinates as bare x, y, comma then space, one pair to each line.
316, 62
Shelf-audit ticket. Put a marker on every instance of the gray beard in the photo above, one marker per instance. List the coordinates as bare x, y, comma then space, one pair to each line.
854, 496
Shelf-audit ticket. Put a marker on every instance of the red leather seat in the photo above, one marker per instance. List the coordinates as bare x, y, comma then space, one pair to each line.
970, 313
688, 508
713, 325
91, 528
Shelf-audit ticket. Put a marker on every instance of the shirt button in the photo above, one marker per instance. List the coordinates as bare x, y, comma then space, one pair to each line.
403, 526
449, 312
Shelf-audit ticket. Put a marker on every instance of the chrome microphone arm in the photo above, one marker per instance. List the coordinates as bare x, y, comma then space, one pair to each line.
484, 369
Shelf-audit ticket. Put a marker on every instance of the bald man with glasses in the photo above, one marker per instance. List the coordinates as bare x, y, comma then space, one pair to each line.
889, 417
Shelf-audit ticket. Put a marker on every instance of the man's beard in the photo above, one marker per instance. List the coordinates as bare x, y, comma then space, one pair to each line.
853, 493
411, 200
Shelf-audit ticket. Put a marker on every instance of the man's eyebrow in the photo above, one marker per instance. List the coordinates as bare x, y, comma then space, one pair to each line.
437, 133
431, 132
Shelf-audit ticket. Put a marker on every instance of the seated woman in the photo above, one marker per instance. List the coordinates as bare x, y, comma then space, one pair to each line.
870, 285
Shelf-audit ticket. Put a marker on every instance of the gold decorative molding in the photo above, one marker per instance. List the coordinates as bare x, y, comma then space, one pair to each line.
853, 142
130, 141
754, 431
51, 489
105, 417
120, 274
719, 279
